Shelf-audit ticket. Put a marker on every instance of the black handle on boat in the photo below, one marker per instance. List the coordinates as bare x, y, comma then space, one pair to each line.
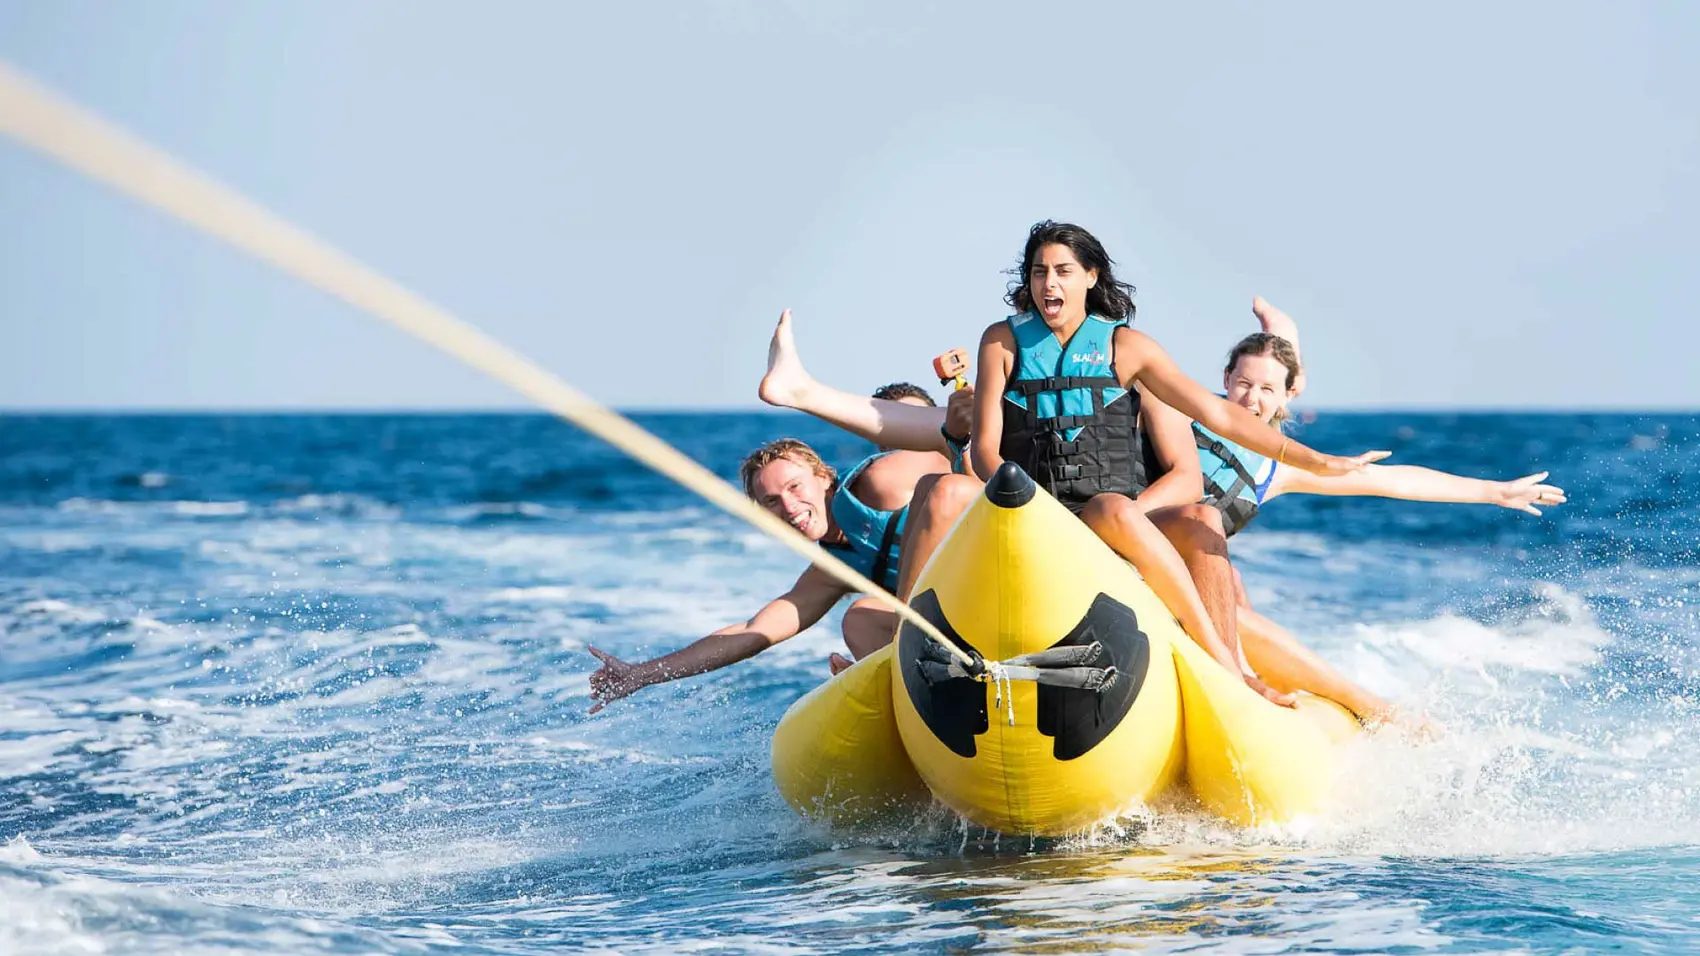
1010, 487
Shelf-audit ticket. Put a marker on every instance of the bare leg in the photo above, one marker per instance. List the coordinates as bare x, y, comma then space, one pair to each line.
1131, 534
1126, 529
1289, 665
938, 501
868, 626
901, 425
1195, 530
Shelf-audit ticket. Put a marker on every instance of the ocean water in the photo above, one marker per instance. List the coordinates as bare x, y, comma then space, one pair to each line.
318, 684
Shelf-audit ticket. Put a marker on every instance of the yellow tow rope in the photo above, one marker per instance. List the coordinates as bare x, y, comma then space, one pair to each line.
79, 139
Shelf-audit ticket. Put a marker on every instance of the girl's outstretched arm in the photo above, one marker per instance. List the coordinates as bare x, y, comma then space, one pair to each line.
1413, 483
1156, 371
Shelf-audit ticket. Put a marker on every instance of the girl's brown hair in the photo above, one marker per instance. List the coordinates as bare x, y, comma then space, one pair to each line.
1259, 344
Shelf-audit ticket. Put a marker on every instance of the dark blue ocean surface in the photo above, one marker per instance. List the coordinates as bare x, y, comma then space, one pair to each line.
317, 684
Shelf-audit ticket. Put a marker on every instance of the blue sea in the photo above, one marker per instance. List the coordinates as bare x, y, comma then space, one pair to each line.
318, 684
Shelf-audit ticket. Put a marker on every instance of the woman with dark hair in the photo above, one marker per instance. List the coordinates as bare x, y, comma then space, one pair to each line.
1058, 393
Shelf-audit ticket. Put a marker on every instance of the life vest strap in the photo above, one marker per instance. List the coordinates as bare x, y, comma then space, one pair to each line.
1086, 440
1243, 476
1063, 423
1030, 387
1068, 472
1235, 504
883, 562
1219, 499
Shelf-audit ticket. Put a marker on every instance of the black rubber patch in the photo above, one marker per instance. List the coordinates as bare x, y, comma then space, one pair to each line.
955, 709
1081, 719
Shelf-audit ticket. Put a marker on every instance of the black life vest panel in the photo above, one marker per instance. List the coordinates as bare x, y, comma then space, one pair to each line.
1067, 419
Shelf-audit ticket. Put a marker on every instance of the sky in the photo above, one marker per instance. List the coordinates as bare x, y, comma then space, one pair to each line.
1462, 204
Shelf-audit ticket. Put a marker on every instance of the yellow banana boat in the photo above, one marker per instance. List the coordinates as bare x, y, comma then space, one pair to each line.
1087, 698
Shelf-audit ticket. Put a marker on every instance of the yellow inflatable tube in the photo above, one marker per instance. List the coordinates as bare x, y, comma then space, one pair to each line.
1119, 708
836, 753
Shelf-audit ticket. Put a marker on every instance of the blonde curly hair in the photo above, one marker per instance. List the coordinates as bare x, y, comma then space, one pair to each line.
771, 452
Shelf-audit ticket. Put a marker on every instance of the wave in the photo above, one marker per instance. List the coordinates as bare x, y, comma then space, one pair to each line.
46, 907
341, 504
337, 504
482, 512
184, 508
354, 720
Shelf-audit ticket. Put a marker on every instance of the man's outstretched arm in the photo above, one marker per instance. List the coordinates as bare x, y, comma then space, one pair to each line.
783, 618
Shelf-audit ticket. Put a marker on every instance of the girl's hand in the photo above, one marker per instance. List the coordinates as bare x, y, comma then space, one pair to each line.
1527, 492
1269, 693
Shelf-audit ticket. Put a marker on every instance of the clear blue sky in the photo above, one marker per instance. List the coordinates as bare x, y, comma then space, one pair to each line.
1462, 203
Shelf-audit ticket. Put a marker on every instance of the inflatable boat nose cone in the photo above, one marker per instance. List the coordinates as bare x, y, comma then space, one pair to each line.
1010, 487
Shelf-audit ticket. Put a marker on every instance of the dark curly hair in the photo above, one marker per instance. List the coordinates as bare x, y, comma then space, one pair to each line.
897, 391
1110, 298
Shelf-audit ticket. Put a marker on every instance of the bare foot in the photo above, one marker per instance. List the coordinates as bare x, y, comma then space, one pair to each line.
839, 664
1370, 710
786, 380
1424, 729
1420, 728
1273, 320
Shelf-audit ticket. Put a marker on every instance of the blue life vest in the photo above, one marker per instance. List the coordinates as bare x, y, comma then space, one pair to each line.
1067, 419
1236, 479
872, 538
